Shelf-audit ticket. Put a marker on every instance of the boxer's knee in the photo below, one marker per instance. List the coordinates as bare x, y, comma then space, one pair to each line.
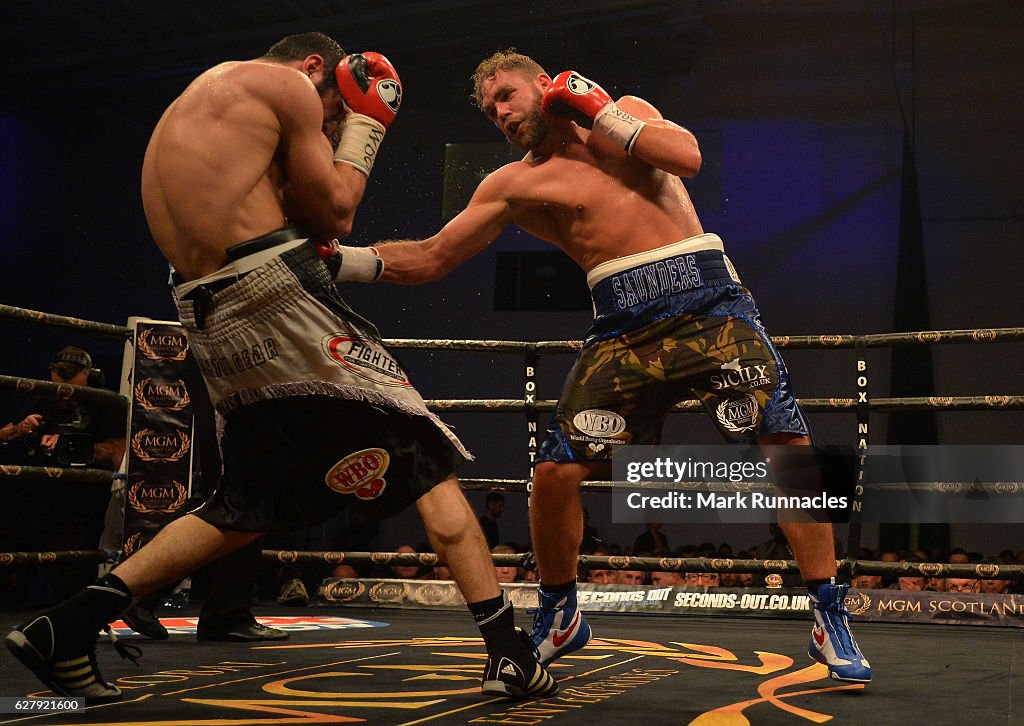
557, 480
446, 514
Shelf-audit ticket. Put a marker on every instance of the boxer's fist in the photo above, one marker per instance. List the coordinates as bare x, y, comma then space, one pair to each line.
370, 86
574, 97
350, 264
330, 252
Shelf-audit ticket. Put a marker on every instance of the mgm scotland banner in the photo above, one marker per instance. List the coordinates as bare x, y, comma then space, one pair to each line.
158, 464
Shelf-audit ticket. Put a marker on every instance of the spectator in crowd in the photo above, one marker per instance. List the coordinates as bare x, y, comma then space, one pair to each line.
867, 582
629, 577
591, 538
746, 579
888, 556
706, 549
777, 548
958, 556
961, 584
494, 505
730, 579
935, 584
344, 572
652, 540
46, 514
405, 572
993, 587
440, 572
505, 573
601, 577
666, 579
990, 586
701, 579
910, 582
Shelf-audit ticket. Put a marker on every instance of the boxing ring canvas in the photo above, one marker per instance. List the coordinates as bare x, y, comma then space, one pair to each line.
385, 666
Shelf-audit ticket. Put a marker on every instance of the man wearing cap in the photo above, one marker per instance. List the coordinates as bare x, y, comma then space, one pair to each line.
47, 514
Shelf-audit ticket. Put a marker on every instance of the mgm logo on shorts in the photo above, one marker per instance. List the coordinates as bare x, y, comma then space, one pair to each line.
739, 414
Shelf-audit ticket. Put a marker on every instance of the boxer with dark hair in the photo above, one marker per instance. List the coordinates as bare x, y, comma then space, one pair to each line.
601, 180
317, 415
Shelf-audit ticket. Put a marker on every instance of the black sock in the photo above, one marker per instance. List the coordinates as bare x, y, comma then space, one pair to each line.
813, 585
77, 621
558, 589
496, 621
110, 580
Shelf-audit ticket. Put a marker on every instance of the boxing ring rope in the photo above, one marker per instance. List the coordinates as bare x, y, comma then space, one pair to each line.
851, 567
531, 350
877, 405
63, 321
59, 390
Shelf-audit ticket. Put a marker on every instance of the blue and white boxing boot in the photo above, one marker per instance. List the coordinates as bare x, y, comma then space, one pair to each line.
832, 643
559, 627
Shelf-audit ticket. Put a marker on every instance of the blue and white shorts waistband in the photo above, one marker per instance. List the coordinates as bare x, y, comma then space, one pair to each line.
642, 278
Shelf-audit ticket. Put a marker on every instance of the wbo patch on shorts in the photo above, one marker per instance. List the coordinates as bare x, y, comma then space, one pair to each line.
360, 473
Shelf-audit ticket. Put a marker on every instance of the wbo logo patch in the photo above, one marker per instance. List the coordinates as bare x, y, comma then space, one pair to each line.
361, 473
599, 423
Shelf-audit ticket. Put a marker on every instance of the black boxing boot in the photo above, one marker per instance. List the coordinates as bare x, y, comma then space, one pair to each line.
513, 668
59, 644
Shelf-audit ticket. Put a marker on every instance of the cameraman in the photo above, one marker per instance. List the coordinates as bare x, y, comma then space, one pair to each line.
48, 514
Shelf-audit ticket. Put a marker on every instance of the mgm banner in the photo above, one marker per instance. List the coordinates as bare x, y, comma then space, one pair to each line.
874, 605
158, 460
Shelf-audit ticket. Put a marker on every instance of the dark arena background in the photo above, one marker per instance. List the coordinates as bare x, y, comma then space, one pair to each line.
862, 162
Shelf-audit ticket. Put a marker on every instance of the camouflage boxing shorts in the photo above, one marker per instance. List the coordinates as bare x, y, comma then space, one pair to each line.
671, 324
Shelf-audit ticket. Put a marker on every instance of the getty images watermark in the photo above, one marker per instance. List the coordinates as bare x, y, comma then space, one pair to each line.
727, 484
748, 484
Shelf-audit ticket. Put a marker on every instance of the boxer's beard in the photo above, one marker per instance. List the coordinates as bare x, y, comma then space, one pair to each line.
325, 84
534, 127
532, 131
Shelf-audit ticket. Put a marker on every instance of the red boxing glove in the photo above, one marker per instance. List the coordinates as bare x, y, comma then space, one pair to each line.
370, 86
574, 97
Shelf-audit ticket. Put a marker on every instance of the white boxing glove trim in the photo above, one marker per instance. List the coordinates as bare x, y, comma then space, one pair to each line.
359, 142
359, 264
618, 126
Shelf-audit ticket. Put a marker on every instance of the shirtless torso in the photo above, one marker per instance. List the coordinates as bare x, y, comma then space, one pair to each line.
575, 188
242, 152
595, 202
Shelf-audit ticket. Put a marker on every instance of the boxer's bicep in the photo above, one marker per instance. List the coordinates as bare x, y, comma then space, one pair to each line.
321, 195
662, 143
471, 231
413, 262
